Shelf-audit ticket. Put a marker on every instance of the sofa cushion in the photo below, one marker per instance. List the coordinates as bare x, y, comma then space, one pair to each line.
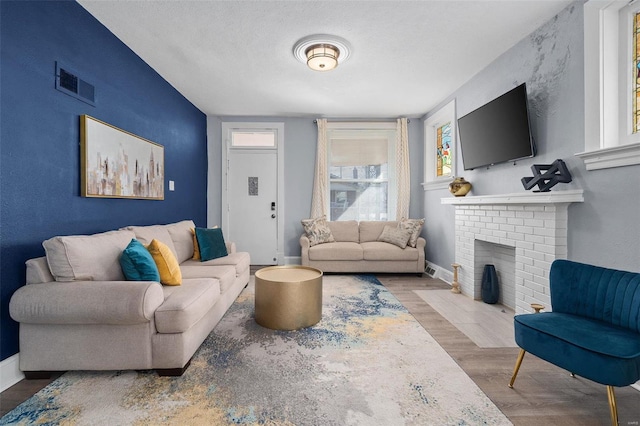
182, 238
225, 274
396, 236
371, 230
138, 264
239, 260
146, 234
377, 250
344, 231
211, 243
38, 271
185, 305
336, 251
87, 257
415, 226
167, 263
590, 348
317, 231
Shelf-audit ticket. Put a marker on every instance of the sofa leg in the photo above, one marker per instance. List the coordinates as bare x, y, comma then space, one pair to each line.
517, 367
37, 375
172, 372
613, 408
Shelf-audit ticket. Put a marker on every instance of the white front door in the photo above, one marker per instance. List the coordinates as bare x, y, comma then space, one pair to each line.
250, 191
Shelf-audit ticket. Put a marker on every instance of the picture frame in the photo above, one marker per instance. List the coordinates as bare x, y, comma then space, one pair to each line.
115, 163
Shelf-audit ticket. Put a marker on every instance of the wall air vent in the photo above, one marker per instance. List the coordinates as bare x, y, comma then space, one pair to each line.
68, 82
429, 270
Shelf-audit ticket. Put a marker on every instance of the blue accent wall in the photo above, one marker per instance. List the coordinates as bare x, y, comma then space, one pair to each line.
39, 149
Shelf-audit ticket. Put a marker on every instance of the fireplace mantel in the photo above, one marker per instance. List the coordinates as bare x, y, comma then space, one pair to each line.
552, 197
524, 232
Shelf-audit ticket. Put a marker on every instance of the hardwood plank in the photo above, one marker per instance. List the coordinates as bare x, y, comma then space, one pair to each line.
542, 395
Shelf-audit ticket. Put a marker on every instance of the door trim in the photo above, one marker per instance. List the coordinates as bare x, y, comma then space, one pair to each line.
278, 128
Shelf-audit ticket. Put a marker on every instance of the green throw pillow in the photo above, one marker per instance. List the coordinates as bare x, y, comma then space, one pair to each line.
211, 243
137, 263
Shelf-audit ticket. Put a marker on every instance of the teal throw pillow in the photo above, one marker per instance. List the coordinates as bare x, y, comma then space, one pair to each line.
137, 263
211, 243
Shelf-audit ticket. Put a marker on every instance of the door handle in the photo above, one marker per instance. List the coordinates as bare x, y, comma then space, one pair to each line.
273, 216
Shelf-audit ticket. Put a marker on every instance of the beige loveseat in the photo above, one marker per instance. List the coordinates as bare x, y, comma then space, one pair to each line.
77, 311
357, 249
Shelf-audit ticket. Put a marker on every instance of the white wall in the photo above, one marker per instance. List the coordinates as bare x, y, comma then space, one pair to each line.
604, 230
300, 138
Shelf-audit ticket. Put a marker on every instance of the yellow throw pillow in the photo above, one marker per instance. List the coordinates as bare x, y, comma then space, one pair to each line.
196, 247
167, 263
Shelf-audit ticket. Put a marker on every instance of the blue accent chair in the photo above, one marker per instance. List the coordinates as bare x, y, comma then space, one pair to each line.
594, 329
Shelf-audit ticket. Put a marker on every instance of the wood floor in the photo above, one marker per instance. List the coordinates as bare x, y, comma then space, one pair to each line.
488, 326
542, 394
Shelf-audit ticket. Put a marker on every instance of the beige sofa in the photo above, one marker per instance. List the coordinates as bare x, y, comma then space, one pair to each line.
357, 249
90, 318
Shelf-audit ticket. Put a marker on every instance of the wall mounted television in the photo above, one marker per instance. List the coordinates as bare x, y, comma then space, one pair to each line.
497, 132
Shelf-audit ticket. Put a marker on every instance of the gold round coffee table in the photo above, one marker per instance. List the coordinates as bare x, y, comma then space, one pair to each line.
288, 297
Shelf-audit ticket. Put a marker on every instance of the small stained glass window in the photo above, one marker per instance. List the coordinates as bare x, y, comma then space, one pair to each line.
636, 73
443, 148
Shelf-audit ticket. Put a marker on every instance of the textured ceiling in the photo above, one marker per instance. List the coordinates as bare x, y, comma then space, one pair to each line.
236, 57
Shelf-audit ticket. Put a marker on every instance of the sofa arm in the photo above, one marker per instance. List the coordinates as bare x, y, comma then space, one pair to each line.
86, 302
304, 250
231, 247
420, 245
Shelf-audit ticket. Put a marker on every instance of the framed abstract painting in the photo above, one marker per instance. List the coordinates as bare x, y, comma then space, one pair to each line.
119, 164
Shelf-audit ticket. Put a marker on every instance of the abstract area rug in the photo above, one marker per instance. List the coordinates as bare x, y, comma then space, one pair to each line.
367, 362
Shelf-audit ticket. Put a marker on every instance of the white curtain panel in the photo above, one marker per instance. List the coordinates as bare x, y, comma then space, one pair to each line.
320, 180
403, 172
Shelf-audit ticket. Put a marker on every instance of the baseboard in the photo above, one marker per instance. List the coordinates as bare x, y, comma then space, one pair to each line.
440, 272
10, 373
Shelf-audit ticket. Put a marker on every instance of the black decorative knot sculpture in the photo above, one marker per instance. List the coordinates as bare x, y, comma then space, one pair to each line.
547, 176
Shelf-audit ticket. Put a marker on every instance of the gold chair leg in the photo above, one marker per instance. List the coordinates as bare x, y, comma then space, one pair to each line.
613, 408
517, 367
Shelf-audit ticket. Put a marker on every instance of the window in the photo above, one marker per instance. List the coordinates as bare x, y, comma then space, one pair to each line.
443, 150
361, 171
253, 139
635, 72
610, 67
439, 133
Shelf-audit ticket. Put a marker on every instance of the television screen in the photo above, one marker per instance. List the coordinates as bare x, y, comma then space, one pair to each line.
497, 132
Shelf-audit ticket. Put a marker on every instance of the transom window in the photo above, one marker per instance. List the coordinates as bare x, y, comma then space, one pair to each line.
361, 174
253, 139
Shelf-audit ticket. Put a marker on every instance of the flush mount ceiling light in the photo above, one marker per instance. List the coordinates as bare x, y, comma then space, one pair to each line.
322, 52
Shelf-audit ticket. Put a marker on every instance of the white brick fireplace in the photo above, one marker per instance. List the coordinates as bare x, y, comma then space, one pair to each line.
522, 234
